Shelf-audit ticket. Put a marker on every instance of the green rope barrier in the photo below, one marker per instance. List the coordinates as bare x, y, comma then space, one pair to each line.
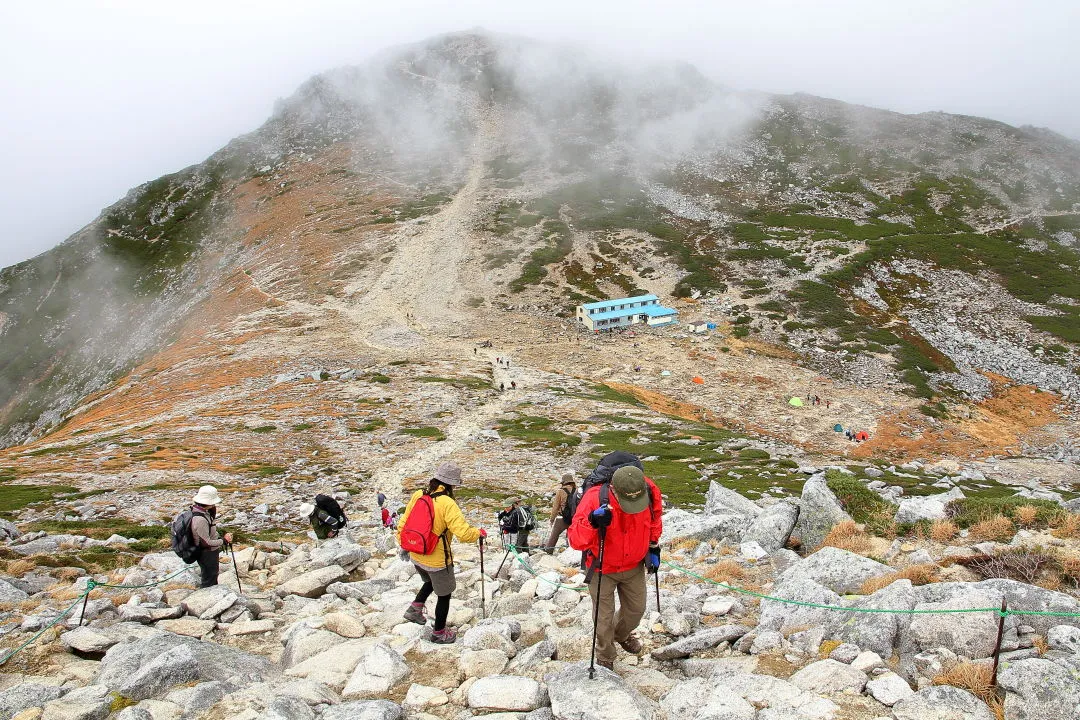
800, 603
58, 618
821, 606
532, 571
91, 585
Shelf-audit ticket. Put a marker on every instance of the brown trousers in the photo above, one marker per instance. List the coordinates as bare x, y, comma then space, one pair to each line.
557, 529
616, 625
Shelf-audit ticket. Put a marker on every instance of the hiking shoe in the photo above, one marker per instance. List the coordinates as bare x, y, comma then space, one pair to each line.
446, 636
415, 613
631, 645
609, 664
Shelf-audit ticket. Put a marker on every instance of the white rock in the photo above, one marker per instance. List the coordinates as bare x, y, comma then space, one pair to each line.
866, 661
752, 551
251, 627
829, 676
421, 696
941, 702
889, 689
699, 699
507, 693
377, 671
482, 663
718, 606
312, 583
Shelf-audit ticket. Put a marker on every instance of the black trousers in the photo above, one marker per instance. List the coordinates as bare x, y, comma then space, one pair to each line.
209, 561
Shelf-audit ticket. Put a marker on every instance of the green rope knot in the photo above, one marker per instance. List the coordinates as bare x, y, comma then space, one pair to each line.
1003, 612
91, 584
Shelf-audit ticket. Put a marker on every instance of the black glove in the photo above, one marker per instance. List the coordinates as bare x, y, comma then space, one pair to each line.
600, 518
652, 560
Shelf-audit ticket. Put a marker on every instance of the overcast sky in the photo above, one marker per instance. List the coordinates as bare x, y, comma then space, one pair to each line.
97, 96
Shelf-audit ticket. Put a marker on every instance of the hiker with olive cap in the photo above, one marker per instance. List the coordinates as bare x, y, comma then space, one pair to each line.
431, 516
514, 524
626, 513
204, 532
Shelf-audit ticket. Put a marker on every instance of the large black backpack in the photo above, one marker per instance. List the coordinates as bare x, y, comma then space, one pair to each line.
601, 475
183, 542
332, 515
526, 518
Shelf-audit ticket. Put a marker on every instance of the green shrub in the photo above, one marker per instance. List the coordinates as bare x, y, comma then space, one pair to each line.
969, 511
373, 424
424, 432
861, 503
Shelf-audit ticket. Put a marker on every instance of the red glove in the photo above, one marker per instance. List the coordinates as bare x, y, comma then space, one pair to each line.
483, 533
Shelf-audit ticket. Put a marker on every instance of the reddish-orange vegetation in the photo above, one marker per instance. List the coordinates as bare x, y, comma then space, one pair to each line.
998, 424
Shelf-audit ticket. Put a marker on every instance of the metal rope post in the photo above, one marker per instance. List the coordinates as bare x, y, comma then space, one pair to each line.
997, 645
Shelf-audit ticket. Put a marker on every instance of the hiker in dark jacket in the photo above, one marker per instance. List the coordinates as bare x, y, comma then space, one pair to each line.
204, 533
323, 523
510, 524
558, 524
632, 523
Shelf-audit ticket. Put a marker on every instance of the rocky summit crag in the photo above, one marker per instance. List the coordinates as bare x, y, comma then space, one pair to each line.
383, 277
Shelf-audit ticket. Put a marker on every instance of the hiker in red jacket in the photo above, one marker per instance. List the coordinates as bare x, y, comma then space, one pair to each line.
632, 524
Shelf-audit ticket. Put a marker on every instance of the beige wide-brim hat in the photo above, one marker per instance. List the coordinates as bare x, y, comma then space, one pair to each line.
207, 495
306, 509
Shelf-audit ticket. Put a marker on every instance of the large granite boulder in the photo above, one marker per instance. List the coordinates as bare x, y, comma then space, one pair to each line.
772, 527
819, 511
148, 667
877, 632
574, 696
941, 702
970, 634
926, 507
699, 699
1038, 689
841, 571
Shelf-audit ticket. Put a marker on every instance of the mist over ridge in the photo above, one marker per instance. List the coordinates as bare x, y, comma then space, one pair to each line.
565, 156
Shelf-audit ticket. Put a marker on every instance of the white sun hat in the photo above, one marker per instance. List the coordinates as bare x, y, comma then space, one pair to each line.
207, 495
306, 509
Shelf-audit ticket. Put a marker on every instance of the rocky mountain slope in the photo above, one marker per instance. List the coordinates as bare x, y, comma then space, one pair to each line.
474, 183
383, 276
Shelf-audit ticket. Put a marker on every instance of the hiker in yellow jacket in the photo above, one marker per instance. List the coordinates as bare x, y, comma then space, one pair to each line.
437, 567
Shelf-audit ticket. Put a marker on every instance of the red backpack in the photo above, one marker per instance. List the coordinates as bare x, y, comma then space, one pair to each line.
418, 532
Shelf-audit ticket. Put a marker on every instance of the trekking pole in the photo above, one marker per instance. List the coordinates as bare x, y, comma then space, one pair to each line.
596, 602
509, 547
483, 609
656, 576
239, 587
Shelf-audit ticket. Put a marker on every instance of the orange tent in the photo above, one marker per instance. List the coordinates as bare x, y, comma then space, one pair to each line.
862, 435
697, 380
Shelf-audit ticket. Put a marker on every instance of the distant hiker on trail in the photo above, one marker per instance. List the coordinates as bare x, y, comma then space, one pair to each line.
386, 517
380, 498
502, 387
430, 517
828, 404
558, 505
516, 520
618, 525
205, 534
326, 516
513, 384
